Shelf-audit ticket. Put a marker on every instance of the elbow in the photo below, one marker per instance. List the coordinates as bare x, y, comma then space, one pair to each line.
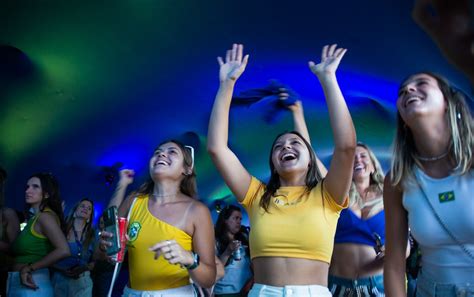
347, 149
65, 252
214, 151
209, 280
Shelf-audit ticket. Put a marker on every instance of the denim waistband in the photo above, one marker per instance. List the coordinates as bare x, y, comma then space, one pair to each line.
427, 287
352, 283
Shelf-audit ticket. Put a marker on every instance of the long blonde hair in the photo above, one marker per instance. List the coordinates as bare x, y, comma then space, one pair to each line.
461, 144
375, 185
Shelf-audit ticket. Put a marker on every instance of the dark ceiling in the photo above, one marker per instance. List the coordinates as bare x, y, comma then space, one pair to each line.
101, 84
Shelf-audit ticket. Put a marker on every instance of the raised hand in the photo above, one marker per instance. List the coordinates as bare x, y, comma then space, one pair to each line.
126, 176
330, 58
234, 64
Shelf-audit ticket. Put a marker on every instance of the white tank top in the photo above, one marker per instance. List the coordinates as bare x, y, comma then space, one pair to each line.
443, 260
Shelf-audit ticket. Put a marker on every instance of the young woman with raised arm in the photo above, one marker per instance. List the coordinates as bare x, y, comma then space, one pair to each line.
293, 217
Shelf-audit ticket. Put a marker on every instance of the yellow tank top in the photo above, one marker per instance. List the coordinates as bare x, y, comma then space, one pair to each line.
145, 230
299, 224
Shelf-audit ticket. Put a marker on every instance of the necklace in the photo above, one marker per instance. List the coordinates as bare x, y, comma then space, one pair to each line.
164, 196
435, 158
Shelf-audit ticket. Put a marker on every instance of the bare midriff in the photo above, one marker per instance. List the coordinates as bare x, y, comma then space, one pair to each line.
353, 261
279, 271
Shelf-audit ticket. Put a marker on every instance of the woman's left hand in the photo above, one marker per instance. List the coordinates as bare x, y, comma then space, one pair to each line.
26, 278
330, 58
172, 252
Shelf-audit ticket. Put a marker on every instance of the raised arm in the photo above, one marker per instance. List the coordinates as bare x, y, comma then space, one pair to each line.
118, 199
396, 237
235, 175
300, 126
339, 177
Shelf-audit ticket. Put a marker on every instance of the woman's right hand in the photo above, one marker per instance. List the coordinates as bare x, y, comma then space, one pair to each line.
234, 64
126, 176
104, 242
233, 246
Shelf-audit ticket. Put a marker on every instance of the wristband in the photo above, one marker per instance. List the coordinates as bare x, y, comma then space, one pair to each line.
195, 263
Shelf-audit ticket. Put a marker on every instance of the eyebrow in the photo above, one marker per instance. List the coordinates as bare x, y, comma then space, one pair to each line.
414, 80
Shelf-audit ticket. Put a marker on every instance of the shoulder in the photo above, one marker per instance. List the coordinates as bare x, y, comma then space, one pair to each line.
9, 213
197, 208
48, 218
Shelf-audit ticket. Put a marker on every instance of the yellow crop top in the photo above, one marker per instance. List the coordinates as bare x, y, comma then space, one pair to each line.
145, 230
298, 225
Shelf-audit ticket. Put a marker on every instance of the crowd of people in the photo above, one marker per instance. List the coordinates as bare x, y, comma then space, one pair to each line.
314, 231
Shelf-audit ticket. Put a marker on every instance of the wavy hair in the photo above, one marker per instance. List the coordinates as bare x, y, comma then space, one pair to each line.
313, 176
50, 186
188, 185
375, 184
222, 240
88, 230
461, 144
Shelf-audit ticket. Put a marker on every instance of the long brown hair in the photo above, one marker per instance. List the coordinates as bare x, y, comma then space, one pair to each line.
462, 140
188, 185
313, 176
220, 229
50, 186
88, 230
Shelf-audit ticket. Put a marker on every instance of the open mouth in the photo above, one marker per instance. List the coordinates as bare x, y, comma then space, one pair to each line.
161, 162
359, 167
411, 100
288, 157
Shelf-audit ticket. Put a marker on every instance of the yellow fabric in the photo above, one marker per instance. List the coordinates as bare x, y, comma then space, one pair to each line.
298, 225
145, 230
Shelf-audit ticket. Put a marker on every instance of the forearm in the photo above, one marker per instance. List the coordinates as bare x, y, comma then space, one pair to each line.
219, 121
118, 196
340, 118
299, 124
51, 258
204, 275
394, 282
224, 257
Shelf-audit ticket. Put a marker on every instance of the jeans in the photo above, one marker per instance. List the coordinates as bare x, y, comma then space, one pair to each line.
41, 279
69, 287
299, 291
181, 291
428, 288
369, 286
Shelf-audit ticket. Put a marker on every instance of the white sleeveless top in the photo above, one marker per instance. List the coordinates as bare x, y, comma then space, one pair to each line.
443, 260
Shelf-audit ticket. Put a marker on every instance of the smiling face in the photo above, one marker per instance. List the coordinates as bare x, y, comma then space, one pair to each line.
419, 95
290, 154
34, 192
363, 164
84, 210
168, 160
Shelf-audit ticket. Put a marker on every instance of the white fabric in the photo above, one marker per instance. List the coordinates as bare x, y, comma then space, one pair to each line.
443, 260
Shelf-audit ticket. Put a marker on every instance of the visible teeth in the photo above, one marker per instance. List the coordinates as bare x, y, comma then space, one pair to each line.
411, 99
359, 167
288, 156
161, 162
